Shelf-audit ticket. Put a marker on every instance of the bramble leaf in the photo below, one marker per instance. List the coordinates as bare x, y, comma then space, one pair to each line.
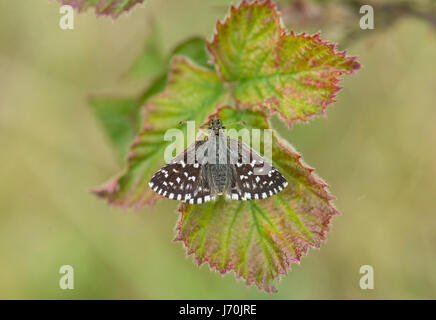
196, 49
111, 8
295, 75
261, 66
120, 120
120, 117
259, 239
152, 61
192, 93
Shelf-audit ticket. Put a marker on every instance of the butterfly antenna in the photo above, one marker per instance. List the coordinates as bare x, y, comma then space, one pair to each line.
236, 123
201, 127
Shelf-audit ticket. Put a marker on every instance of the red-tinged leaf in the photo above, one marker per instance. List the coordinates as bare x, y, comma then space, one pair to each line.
196, 50
295, 75
120, 116
111, 8
259, 239
192, 93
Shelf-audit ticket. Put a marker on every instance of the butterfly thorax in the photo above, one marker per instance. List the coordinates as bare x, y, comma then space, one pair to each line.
215, 127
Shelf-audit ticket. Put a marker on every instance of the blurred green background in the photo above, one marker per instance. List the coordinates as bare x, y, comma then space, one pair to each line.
376, 150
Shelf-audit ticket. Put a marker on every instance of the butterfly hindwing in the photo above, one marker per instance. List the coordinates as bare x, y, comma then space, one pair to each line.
254, 177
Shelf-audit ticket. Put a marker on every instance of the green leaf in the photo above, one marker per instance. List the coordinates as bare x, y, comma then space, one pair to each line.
192, 93
157, 86
119, 118
259, 239
152, 61
196, 49
259, 64
111, 8
295, 75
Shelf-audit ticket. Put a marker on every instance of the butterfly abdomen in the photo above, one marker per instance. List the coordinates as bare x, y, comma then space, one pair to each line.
219, 176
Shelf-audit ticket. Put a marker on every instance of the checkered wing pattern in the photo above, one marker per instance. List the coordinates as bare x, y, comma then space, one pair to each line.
254, 177
183, 178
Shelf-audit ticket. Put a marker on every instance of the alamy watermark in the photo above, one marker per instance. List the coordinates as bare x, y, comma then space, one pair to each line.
67, 279
367, 20
66, 22
237, 153
367, 280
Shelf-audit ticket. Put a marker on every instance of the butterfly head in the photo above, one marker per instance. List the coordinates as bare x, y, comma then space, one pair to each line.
215, 126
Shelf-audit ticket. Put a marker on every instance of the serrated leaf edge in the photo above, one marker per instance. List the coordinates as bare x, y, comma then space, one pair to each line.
186, 208
283, 33
113, 15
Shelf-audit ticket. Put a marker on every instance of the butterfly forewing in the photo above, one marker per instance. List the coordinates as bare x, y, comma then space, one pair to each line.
183, 178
